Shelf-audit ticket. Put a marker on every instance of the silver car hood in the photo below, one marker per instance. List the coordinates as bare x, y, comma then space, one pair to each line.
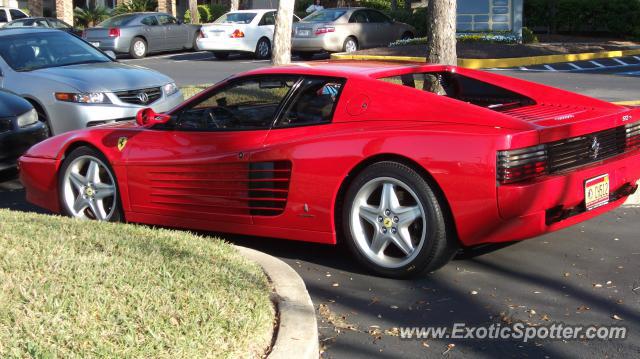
104, 77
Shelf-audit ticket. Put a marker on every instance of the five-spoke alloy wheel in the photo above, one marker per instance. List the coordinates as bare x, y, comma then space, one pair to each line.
394, 223
88, 188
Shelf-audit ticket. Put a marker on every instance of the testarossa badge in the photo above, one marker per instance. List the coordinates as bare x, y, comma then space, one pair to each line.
122, 141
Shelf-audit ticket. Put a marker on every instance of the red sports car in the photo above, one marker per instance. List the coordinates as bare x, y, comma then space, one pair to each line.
403, 162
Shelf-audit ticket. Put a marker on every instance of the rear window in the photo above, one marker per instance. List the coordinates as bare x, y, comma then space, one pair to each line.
462, 88
116, 21
236, 18
326, 15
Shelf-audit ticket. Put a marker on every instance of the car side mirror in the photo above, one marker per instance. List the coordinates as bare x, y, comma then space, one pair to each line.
148, 118
110, 54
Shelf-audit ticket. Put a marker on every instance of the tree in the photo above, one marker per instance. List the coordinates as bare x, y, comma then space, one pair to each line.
193, 8
441, 32
281, 50
92, 15
235, 5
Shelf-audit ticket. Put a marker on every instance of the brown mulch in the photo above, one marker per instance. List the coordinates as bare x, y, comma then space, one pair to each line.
553, 45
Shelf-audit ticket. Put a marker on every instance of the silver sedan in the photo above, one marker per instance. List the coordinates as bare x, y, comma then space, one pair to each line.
346, 30
139, 34
73, 85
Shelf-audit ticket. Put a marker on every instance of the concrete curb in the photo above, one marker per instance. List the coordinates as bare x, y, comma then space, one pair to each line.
500, 63
297, 333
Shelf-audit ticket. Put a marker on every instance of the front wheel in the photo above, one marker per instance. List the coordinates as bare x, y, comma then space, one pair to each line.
88, 188
394, 223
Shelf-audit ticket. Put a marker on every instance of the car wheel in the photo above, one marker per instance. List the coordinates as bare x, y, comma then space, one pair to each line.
306, 55
221, 55
263, 49
406, 36
394, 223
350, 44
88, 187
138, 48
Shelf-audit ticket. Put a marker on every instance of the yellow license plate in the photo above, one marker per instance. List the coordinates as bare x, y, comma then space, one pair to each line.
596, 192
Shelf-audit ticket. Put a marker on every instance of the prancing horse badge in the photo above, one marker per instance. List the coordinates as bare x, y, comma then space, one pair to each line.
122, 141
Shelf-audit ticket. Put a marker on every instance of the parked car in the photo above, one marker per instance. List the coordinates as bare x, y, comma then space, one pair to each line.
74, 85
19, 128
139, 34
240, 31
346, 30
9, 14
403, 162
46, 22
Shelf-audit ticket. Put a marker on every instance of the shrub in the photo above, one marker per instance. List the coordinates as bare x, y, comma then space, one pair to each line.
416, 18
91, 16
528, 37
481, 37
217, 10
136, 6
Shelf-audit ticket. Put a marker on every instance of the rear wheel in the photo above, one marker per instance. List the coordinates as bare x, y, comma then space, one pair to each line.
350, 44
263, 49
306, 55
88, 188
393, 222
220, 55
138, 48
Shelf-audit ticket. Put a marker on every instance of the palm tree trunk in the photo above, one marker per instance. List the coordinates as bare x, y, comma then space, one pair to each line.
441, 32
235, 4
281, 53
193, 9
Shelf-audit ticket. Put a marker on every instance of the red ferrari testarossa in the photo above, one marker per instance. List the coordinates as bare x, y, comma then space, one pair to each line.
404, 162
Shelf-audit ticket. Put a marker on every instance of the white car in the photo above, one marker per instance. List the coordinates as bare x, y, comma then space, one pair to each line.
240, 31
9, 14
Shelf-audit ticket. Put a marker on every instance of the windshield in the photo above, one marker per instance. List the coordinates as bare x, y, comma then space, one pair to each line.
116, 21
236, 18
326, 15
50, 49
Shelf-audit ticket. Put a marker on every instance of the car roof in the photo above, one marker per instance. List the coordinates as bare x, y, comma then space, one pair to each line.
253, 10
7, 31
343, 68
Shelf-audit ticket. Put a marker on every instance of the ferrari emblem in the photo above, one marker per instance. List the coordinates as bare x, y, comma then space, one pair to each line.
122, 141
388, 222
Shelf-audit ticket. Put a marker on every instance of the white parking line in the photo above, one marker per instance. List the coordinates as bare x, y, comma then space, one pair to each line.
637, 58
631, 73
574, 66
522, 68
597, 63
620, 61
548, 67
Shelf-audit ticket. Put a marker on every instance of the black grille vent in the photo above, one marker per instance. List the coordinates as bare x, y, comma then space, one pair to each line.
582, 150
138, 97
5, 125
269, 187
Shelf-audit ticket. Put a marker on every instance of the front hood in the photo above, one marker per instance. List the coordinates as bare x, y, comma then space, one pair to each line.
104, 77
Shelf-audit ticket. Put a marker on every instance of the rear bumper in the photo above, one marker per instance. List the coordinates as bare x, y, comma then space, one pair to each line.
224, 44
328, 42
557, 201
14, 143
115, 44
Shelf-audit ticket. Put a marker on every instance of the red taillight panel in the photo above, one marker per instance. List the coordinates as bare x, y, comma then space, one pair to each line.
324, 30
522, 164
114, 32
237, 34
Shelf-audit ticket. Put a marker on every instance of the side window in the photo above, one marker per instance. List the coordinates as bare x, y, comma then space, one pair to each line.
40, 23
358, 17
245, 105
150, 21
17, 14
59, 24
3, 16
377, 17
313, 104
268, 19
166, 20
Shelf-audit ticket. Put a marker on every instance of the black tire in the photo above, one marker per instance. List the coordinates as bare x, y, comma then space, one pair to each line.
346, 46
221, 55
438, 244
306, 55
406, 36
132, 47
118, 214
260, 53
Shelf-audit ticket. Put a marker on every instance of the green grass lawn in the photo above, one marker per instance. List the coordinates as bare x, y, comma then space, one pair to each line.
73, 288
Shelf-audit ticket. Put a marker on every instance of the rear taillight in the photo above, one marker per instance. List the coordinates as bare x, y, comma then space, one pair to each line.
324, 30
633, 135
236, 34
114, 32
523, 164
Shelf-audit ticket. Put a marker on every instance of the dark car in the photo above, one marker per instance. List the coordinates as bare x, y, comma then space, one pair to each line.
19, 128
45, 22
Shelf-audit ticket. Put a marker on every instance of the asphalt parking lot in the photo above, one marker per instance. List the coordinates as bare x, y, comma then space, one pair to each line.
588, 274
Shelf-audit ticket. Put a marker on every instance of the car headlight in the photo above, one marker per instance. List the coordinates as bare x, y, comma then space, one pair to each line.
28, 118
91, 97
169, 89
